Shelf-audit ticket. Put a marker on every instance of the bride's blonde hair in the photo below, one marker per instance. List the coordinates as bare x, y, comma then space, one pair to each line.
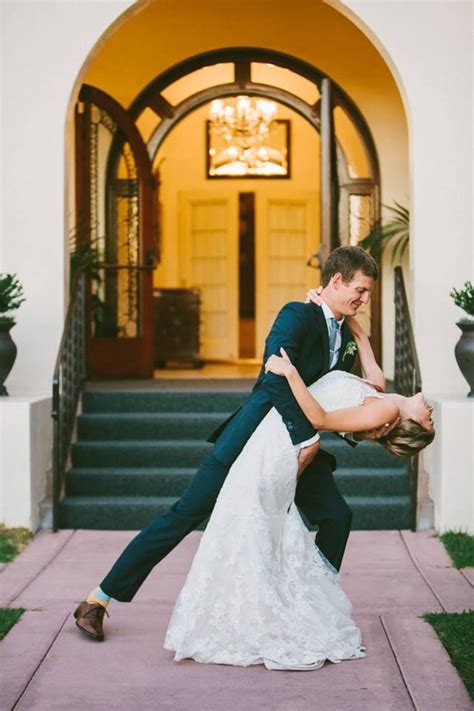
407, 438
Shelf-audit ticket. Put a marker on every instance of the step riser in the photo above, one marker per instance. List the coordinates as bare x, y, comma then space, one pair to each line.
162, 402
139, 455
190, 427
81, 483
126, 518
184, 454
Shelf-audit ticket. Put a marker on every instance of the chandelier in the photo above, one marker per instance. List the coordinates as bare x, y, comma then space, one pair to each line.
244, 126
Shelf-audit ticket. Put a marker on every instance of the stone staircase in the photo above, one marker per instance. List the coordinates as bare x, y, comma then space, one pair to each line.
136, 451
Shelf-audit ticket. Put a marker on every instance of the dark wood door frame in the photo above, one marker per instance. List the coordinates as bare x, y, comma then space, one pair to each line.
109, 356
319, 115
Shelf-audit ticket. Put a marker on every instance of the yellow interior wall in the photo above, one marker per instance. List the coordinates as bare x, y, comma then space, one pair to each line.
351, 143
182, 160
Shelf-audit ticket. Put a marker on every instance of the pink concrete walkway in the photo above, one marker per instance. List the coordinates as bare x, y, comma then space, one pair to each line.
391, 577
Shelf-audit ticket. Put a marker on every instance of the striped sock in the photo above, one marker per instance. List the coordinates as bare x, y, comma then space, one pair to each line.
98, 596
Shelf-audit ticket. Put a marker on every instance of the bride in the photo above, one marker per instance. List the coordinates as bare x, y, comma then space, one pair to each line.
259, 591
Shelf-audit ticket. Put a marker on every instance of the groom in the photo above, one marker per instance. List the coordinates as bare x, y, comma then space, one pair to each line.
316, 340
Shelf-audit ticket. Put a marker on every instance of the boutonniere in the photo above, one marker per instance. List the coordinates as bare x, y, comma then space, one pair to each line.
350, 349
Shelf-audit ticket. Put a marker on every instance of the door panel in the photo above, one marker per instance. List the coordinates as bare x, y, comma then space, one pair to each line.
287, 234
209, 262
114, 224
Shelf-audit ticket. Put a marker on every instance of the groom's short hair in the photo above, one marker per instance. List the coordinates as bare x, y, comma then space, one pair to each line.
349, 260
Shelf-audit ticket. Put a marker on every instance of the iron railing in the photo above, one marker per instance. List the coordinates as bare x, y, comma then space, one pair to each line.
407, 372
68, 380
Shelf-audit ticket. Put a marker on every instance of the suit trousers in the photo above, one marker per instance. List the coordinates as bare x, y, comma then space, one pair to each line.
316, 495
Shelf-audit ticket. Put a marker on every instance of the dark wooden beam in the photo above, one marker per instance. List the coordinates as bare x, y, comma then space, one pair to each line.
218, 92
82, 227
329, 239
160, 106
242, 72
316, 110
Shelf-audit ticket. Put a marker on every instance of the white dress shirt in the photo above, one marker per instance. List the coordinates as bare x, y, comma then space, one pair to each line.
328, 314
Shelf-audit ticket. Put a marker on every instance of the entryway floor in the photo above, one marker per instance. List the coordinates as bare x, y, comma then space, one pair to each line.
392, 577
213, 376
211, 370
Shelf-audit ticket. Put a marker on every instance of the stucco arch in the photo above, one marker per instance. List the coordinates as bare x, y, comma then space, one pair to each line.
373, 38
151, 36
143, 43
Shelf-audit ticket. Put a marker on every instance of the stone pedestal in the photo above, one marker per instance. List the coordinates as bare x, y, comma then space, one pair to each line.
449, 463
26, 431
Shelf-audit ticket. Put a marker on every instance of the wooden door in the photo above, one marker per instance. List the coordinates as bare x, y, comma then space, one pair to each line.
115, 227
287, 234
208, 249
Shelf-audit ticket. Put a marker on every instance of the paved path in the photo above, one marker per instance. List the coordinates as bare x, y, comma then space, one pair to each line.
391, 577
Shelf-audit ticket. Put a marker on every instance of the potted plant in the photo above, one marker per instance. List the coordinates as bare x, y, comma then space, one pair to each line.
11, 297
464, 350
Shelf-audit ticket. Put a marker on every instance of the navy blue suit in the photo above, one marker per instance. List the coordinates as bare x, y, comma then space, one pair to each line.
301, 329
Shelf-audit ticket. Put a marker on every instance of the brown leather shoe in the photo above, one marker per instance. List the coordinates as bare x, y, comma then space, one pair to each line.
89, 619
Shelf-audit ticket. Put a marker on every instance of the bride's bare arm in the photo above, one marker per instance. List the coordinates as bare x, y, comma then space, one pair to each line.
371, 371
374, 413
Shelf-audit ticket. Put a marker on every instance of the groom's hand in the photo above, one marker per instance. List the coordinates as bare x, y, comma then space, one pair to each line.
306, 456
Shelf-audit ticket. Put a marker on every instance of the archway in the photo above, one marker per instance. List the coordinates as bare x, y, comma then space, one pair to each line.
350, 194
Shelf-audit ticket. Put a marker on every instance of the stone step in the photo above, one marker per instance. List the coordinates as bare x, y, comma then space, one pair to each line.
155, 402
152, 481
190, 453
156, 426
148, 425
138, 451
133, 513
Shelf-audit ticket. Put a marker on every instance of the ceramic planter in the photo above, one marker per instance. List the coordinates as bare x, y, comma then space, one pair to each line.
464, 352
7, 354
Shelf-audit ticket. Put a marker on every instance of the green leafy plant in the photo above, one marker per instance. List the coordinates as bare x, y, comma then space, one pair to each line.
464, 298
393, 235
85, 255
11, 297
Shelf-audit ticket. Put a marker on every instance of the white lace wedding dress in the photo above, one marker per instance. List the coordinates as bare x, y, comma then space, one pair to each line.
259, 591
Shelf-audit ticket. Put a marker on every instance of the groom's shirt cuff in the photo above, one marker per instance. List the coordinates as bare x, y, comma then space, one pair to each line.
307, 442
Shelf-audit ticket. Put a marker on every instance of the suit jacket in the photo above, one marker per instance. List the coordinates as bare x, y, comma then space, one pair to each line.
302, 331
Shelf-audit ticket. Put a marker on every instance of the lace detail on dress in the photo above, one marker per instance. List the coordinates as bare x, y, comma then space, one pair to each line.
339, 389
259, 590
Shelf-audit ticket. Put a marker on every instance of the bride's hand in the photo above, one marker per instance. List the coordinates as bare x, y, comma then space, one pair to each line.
279, 365
314, 296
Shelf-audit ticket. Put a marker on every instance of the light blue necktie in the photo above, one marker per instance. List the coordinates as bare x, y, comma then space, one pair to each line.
333, 330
